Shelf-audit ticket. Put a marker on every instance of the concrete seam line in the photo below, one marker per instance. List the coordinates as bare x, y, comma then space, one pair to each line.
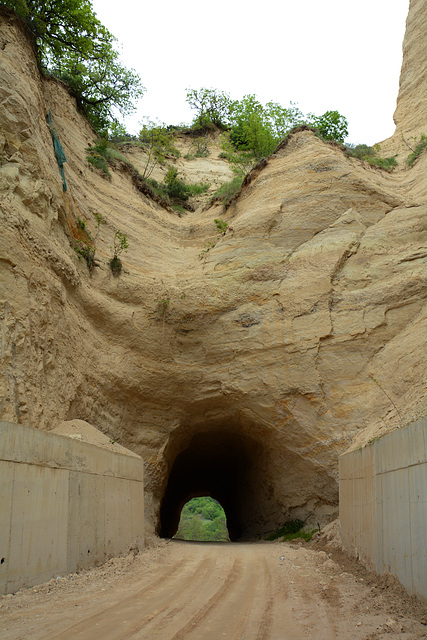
408, 466
46, 465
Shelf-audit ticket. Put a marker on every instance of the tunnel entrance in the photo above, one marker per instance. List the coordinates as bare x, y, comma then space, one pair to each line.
202, 520
257, 474
221, 463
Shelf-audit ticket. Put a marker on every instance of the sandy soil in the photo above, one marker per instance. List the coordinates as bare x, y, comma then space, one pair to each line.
207, 591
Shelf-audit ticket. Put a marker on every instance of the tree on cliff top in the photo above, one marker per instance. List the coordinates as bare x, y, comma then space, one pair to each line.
74, 46
254, 129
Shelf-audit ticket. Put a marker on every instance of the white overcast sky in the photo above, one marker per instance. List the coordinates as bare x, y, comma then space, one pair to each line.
321, 54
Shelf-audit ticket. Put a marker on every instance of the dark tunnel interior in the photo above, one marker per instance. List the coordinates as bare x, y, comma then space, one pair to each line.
216, 463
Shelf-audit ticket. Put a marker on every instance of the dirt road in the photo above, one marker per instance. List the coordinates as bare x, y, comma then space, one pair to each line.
205, 591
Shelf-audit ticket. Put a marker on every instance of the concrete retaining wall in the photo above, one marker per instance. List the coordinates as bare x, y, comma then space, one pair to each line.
64, 505
383, 505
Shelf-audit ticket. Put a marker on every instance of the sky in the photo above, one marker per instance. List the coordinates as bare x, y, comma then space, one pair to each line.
321, 54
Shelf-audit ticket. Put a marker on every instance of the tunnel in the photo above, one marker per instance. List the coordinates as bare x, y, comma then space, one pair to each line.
256, 473
220, 463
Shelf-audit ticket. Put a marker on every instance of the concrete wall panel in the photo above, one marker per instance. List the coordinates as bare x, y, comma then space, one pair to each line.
418, 520
383, 505
40, 497
65, 505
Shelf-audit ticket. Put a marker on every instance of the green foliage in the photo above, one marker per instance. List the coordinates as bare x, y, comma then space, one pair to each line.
176, 188
177, 191
85, 245
198, 188
212, 107
221, 226
228, 190
158, 188
120, 244
255, 129
289, 528
421, 146
330, 126
157, 142
203, 519
241, 161
104, 153
206, 248
384, 163
301, 534
98, 155
251, 128
74, 46
370, 155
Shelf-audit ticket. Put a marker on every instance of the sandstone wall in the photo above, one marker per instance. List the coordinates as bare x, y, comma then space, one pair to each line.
66, 505
299, 335
383, 505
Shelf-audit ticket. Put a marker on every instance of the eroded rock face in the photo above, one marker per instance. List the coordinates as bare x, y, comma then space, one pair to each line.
242, 374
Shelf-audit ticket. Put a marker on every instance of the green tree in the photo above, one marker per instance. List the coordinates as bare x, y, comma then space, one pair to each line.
211, 106
157, 141
330, 126
282, 119
74, 46
250, 127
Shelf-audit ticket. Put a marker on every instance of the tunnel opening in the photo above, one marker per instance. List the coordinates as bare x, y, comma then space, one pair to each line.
220, 463
203, 520
257, 474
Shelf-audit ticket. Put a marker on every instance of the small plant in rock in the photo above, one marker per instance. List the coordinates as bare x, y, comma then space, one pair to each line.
85, 246
221, 226
163, 306
207, 247
120, 244
421, 146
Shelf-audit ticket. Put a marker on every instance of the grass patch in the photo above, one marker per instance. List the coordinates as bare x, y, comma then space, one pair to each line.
228, 190
370, 155
301, 534
289, 528
99, 162
198, 188
292, 530
383, 163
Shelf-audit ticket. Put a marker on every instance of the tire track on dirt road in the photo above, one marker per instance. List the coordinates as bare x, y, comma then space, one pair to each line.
114, 615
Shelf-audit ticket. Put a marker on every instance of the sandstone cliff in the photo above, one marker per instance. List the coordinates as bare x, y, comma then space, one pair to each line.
243, 374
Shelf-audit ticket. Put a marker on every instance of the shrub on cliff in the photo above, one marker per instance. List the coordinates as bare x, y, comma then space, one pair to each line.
74, 46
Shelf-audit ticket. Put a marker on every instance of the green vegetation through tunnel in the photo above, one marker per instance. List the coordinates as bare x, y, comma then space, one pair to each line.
203, 519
